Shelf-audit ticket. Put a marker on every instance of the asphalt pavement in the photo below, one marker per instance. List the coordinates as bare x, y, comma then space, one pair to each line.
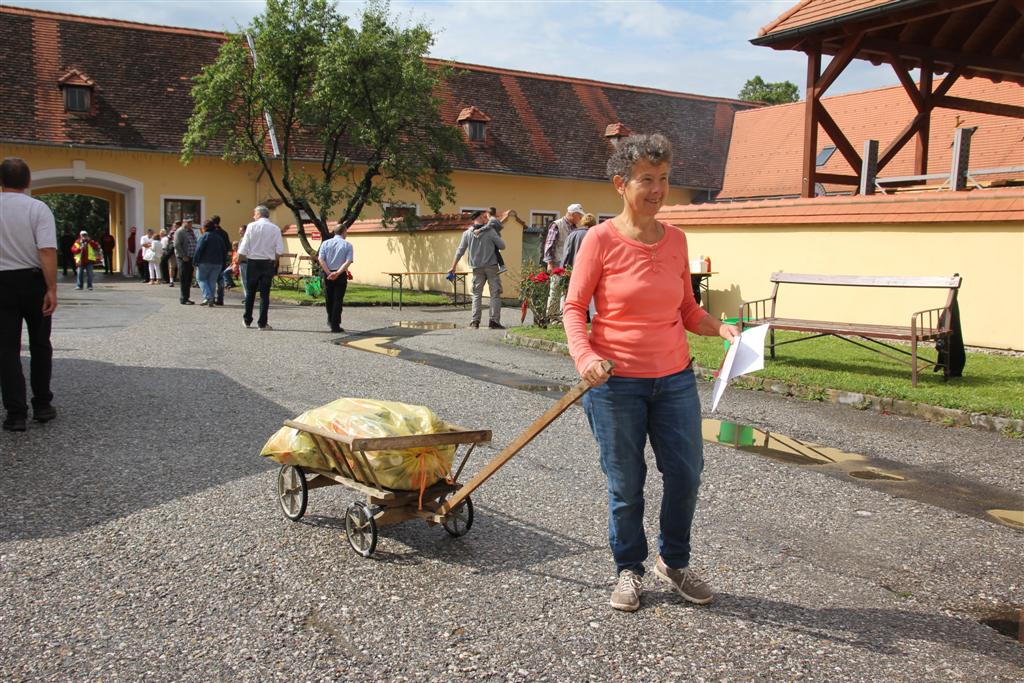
142, 540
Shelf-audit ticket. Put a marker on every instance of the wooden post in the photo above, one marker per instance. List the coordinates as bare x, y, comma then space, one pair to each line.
961, 158
924, 131
869, 167
811, 122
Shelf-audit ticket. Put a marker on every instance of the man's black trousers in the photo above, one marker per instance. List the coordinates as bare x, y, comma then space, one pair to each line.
259, 275
21, 299
185, 275
334, 293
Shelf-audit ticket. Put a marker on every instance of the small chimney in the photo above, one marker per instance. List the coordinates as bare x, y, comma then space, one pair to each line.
616, 131
474, 124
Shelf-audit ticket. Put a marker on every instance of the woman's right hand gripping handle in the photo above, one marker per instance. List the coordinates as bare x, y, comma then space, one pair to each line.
598, 372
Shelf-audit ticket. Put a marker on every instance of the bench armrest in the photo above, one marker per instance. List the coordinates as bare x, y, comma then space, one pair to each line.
931, 321
754, 310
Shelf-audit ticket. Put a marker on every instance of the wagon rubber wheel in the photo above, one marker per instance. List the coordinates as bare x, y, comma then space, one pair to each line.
292, 492
458, 521
361, 528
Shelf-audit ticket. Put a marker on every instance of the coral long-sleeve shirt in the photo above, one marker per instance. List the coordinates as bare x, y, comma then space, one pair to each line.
644, 301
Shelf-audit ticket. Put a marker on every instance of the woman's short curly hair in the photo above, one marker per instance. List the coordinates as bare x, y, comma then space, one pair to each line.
654, 148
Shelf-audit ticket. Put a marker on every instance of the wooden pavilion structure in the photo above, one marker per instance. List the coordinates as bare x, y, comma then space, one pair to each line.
958, 38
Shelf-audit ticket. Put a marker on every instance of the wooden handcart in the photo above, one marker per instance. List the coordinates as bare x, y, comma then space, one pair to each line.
447, 502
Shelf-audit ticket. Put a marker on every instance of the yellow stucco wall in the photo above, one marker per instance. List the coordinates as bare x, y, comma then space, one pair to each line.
989, 256
137, 182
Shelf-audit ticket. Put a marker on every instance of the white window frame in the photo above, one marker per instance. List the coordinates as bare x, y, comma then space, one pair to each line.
174, 197
534, 212
471, 209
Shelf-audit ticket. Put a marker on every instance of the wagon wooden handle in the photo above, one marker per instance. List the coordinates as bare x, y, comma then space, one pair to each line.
526, 437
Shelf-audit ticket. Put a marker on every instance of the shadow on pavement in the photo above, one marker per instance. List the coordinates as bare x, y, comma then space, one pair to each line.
885, 631
497, 543
127, 439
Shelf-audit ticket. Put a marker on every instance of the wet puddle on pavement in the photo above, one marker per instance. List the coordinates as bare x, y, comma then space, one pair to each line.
898, 479
932, 487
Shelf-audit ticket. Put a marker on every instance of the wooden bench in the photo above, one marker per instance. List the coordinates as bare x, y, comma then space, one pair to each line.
930, 325
286, 278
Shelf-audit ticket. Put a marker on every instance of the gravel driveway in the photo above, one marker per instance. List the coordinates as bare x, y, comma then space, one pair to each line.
141, 539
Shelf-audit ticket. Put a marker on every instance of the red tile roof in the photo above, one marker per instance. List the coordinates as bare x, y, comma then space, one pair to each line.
540, 124
810, 12
767, 144
980, 206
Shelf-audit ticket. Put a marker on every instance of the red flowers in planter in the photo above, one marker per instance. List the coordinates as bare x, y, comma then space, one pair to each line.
540, 278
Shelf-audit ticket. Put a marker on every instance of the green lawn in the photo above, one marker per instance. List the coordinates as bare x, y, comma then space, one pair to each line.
991, 384
365, 295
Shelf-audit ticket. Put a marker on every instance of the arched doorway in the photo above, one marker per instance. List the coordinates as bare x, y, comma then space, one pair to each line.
124, 194
76, 210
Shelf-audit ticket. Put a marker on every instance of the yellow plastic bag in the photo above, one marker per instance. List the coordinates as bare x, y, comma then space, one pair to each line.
407, 469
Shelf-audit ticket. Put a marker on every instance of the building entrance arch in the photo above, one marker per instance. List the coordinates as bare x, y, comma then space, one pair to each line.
79, 180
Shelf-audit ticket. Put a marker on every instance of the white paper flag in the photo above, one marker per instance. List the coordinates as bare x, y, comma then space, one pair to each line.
744, 355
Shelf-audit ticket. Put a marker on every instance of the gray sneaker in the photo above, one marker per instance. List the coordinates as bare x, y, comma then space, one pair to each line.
686, 582
630, 587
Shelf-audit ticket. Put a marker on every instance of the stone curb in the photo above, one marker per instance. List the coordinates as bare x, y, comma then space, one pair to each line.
361, 304
950, 417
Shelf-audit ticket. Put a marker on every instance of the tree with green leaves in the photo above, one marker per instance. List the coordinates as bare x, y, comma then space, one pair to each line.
79, 211
337, 118
756, 90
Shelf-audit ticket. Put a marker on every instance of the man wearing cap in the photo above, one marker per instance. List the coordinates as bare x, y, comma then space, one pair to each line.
28, 293
553, 247
184, 250
483, 246
86, 252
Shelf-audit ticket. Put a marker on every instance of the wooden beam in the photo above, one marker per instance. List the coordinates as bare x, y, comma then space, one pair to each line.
810, 123
902, 139
961, 158
999, 65
838, 137
842, 60
951, 33
998, 17
1011, 41
838, 179
924, 131
903, 73
948, 81
980, 107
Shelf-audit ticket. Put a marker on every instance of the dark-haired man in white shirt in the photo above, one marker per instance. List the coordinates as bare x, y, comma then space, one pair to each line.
28, 293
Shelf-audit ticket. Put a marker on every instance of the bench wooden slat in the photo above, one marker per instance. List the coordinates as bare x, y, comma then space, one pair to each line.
867, 280
856, 329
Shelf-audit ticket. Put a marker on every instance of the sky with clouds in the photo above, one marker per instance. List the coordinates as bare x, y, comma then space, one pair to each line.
695, 46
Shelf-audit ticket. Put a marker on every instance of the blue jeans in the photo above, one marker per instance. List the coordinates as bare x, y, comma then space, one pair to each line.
84, 273
208, 275
623, 413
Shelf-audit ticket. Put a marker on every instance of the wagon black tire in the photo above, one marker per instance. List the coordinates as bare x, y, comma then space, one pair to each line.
459, 521
361, 528
292, 492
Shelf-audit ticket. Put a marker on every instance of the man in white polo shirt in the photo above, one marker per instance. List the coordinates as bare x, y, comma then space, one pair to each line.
28, 292
261, 247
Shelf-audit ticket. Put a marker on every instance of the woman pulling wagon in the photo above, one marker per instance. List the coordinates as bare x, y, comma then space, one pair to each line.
637, 271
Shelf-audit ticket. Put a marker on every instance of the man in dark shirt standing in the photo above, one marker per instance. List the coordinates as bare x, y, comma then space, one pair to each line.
107, 242
67, 240
184, 250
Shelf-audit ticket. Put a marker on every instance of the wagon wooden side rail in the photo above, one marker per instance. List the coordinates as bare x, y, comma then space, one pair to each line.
929, 325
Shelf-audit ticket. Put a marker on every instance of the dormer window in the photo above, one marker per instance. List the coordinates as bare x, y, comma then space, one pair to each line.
77, 89
77, 98
474, 124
